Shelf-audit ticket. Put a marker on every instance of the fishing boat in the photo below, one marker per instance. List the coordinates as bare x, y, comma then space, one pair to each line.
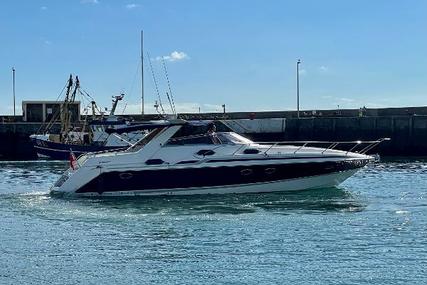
178, 157
89, 137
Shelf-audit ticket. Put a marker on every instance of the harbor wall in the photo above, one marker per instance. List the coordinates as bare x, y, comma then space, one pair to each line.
408, 134
15, 143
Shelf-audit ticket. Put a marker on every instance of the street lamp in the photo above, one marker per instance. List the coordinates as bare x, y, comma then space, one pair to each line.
13, 79
298, 63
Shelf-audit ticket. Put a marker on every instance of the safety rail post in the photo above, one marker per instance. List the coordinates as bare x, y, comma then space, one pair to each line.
330, 147
354, 147
300, 147
273, 145
369, 147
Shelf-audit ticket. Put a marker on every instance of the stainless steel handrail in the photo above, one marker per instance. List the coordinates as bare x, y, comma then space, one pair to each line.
331, 145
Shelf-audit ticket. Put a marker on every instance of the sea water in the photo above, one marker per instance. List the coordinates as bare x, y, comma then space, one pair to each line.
370, 230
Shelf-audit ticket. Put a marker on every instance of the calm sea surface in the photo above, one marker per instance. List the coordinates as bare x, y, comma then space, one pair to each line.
370, 230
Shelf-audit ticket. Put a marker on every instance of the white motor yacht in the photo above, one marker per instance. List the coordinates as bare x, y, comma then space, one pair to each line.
184, 158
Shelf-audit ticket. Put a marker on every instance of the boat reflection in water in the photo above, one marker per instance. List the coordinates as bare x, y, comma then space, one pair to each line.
184, 158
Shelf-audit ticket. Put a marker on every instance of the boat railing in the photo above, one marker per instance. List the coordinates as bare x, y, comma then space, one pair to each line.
93, 153
358, 146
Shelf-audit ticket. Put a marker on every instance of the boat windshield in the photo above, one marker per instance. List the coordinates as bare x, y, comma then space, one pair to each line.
140, 144
232, 138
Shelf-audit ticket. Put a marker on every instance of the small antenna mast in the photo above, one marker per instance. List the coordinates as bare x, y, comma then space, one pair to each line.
155, 84
171, 101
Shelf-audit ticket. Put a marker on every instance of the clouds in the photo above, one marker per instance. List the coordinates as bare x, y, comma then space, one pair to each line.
184, 107
131, 6
323, 68
320, 69
89, 2
174, 56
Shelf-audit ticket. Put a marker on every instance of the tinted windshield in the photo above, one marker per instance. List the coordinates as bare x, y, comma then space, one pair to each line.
145, 140
232, 138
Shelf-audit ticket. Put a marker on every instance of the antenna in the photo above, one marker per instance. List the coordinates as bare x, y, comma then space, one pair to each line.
171, 101
155, 84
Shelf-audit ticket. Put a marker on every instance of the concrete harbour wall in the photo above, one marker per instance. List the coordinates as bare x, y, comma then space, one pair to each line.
408, 134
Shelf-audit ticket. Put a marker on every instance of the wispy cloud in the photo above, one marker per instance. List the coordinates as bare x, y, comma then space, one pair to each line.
43, 8
302, 72
89, 1
323, 68
132, 6
47, 42
174, 56
185, 107
347, 100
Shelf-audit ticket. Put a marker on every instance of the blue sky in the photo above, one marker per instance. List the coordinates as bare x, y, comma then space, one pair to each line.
241, 53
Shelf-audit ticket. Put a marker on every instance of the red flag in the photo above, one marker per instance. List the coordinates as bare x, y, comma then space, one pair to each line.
73, 160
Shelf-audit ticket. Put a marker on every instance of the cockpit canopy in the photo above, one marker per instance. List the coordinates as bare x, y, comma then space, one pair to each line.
194, 133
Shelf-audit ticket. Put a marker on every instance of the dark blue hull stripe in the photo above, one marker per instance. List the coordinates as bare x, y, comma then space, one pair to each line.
270, 158
211, 176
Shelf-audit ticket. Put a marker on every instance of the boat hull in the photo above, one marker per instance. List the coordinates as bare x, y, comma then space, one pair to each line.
264, 176
61, 151
288, 185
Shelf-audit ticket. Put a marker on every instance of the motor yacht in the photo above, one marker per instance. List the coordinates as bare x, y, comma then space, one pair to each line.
178, 157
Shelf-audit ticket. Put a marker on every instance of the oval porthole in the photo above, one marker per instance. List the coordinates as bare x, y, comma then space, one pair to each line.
251, 151
270, 170
125, 175
205, 152
246, 172
154, 161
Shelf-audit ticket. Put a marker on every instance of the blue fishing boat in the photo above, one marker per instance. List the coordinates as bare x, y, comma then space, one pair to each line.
88, 136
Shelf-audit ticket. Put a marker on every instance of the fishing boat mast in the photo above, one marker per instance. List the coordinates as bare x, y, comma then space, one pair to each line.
64, 107
116, 100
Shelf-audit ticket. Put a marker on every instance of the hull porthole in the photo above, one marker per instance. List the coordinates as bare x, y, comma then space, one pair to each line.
270, 170
246, 172
125, 175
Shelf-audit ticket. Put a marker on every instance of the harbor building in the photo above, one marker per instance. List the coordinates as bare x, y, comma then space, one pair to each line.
44, 111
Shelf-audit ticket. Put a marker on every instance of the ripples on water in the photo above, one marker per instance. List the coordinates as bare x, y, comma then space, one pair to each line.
371, 230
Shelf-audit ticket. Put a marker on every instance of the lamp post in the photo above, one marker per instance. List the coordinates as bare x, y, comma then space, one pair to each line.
13, 79
142, 74
298, 63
